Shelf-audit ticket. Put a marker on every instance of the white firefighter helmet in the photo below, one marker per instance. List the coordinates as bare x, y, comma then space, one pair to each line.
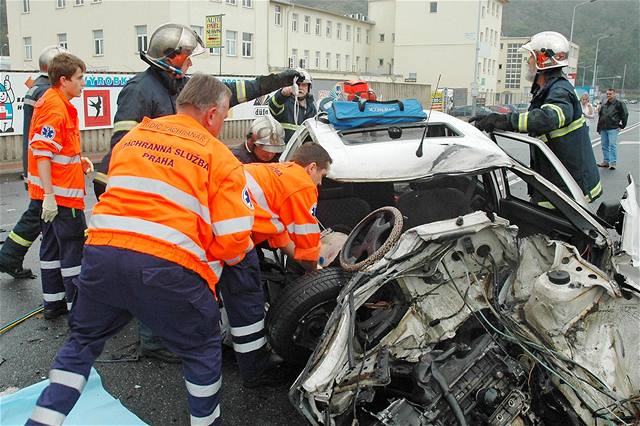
266, 132
549, 49
172, 41
47, 54
306, 77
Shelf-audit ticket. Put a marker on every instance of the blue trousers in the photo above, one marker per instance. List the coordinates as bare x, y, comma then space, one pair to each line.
61, 255
176, 303
243, 299
609, 145
24, 233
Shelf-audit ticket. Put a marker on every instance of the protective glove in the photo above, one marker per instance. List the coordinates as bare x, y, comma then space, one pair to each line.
49, 207
87, 165
491, 122
271, 82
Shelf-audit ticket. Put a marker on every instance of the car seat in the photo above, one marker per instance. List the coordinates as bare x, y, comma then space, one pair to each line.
431, 205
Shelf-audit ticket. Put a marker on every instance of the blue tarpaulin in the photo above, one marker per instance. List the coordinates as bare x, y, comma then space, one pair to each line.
95, 406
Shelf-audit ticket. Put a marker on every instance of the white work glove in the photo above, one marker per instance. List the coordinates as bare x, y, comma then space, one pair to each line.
87, 165
49, 207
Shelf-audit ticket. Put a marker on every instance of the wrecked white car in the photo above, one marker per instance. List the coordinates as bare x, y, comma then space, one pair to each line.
460, 301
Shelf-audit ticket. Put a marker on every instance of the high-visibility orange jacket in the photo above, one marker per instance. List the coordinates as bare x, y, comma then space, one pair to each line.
55, 133
177, 193
285, 199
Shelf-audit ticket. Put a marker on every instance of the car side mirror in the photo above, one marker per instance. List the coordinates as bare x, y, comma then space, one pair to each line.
611, 213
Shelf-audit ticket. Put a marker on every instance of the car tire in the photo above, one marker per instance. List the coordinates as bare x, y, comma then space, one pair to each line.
394, 236
299, 315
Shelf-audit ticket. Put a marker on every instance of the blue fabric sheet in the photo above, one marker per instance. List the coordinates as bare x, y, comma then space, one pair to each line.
95, 406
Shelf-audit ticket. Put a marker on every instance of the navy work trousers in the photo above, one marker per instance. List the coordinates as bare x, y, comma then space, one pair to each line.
61, 255
243, 299
176, 303
24, 233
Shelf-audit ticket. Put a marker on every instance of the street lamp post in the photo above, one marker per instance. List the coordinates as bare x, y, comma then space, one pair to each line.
595, 61
584, 72
574, 15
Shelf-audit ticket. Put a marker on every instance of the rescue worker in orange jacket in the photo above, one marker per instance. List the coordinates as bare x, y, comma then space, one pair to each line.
177, 208
284, 196
56, 182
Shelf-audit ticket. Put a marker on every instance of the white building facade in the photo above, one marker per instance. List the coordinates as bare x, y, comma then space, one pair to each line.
258, 36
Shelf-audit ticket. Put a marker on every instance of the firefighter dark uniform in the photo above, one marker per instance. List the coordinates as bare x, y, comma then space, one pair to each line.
27, 229
244, 155
176, 210
153, 94
55, 134
555, 116
282, 108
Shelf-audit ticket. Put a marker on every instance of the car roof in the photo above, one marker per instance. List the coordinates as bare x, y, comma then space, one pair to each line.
396, 160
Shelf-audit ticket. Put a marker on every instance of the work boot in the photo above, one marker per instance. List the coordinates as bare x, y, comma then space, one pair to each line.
160, 354
53, 313
604, 164
17, 272
271, 377
612, 166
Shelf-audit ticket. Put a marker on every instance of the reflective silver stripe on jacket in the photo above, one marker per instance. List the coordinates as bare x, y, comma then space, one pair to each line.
50, 264
47, 416
243, 348
65, 159
58, 190
42, 153
67, 378
38, 137
303, 229
231, 226
163, 189
208, 420
248, 329
260, 198
203, 391
155, 230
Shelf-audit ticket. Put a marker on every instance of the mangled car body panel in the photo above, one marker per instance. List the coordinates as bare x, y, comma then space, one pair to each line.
561, 313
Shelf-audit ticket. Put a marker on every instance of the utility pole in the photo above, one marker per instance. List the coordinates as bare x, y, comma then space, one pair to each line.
624, 74
595, 62
474, 85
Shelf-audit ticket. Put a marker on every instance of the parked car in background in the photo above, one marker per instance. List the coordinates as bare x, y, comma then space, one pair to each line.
502, 109
467, 111
520, 107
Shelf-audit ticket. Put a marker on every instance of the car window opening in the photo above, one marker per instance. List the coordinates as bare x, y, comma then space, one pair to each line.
400, 133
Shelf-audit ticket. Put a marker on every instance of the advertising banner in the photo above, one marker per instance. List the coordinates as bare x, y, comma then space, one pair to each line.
213, 31
97, 105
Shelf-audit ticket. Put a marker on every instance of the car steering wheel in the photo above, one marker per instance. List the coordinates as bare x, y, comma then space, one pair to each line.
371, 239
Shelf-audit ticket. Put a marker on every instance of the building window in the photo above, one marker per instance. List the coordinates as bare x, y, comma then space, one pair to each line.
305, 57
338, 62
329, 29
367, 36
348, 33
513, 67
141, 38
247, 3
328, 61
79, 2
277, 15
96, 1
318, 26
317, 59
247, 45
231, 2
62, 41
98, 43
61, 3
380, 62
294, 58
358, 34
307, 24
483, 11
433, 7
347, 62
26, 7
232, 38
294, 22
339, 31
366, 64
393, 37
28, 49
381, 37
